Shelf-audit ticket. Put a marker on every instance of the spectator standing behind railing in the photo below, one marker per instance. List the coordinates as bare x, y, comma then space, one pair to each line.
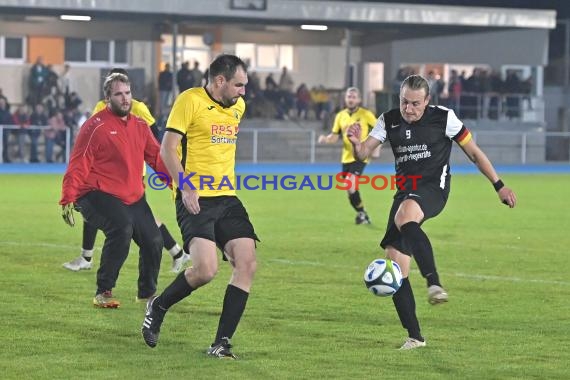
471, 94
165, 88
497, 89
303, 101
486, 90
454, 89
526, 89
7, 103
50, 101
270, 84
70, 118
52, 81
436, 86
38, 118
253, 87
37, 81
321, 101
273, 94
65, 82
73, 101
22, 119
5, 120
55, 134
184, 78
286, 86
197, 75
513, 89
254, 97
61, 103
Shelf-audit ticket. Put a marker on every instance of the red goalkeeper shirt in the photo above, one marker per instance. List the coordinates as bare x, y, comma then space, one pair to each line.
108, 156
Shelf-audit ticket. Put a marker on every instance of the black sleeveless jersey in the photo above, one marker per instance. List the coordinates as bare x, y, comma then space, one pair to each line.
422, 148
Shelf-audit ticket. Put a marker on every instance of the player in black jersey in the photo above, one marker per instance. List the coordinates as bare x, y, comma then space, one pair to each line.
421, 139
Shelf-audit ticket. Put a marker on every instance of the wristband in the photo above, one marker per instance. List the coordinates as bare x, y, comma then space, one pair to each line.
498, 185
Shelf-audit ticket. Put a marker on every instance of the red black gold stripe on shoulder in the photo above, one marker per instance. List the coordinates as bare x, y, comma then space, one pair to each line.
463, 137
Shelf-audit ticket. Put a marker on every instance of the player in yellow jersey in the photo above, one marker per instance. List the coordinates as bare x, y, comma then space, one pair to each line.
83, 261
200, 142
352, 114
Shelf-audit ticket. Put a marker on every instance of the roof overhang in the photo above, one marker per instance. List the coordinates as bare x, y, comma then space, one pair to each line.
299, 11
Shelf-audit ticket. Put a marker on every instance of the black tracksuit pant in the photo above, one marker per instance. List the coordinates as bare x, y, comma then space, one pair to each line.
120, 223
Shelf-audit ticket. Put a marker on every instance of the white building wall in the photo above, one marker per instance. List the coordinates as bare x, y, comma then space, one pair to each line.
143, 55
313, 65
326, 66
13, 81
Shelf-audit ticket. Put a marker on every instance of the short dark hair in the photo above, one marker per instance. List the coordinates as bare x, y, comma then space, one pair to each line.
416, 82
226, 65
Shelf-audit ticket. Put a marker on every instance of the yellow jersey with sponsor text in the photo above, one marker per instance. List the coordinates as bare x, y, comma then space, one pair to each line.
208, 147
345, 119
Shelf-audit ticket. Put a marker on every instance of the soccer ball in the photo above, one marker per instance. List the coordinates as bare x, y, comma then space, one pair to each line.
383, 277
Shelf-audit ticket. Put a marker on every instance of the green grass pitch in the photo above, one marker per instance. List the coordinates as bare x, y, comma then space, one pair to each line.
309, 315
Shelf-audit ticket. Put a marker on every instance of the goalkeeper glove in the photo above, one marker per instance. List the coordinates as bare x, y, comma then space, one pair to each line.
67, 214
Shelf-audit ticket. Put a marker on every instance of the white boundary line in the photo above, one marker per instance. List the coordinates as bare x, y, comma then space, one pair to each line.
462, 275
320, 264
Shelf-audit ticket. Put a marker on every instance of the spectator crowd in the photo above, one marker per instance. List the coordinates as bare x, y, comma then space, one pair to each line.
484, 94
50, 111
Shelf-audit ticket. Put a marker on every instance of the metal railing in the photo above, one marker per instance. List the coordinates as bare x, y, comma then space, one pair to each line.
300, 145
18, 128
477, 106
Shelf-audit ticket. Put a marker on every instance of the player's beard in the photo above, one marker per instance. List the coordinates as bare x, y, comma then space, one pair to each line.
228, 102
119, 111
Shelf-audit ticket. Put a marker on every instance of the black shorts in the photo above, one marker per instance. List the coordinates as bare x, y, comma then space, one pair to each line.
220, 220
431, 201
356, 167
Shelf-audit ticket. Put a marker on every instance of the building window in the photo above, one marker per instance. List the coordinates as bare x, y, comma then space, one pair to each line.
189, 48
76, 49
100, 51
81, 50
12, 49
266, 57
120, 51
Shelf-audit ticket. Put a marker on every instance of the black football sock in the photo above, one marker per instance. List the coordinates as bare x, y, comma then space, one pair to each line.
169, 241
356, 201
174, 293
406, 307
417, 242
234, 305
